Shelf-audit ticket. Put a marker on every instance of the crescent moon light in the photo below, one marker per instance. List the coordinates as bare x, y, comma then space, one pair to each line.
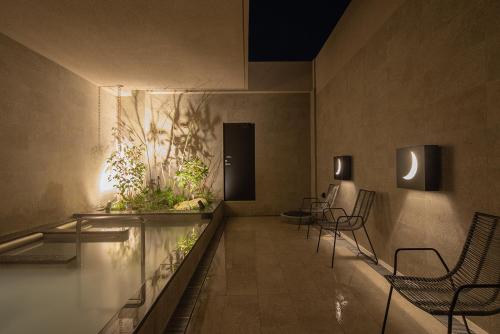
339, 167
413, 169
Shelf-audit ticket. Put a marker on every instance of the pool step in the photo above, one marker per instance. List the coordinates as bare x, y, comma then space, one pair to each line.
37, 258
89, 234
32, 249
19, 242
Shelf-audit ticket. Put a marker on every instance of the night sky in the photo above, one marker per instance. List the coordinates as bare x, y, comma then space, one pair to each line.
291, 30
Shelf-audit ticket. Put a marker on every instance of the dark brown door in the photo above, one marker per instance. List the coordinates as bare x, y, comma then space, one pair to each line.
239, 162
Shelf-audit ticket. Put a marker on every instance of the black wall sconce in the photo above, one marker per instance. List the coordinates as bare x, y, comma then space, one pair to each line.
342, 166
419, 167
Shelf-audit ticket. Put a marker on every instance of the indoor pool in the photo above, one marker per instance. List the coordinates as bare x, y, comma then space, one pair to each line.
82, 296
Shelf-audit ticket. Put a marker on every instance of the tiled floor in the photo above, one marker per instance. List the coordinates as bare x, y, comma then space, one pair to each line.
267, 278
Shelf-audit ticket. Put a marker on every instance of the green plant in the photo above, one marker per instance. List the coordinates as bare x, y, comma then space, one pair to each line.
208, 195
191, 176
127, 171
118, 205
168, 198
185, 244
150, 200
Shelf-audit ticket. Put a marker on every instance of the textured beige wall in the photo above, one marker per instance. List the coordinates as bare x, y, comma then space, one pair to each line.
280, 76
49, 130
430, 74
142, 45
48, 127
281, 148
351, 34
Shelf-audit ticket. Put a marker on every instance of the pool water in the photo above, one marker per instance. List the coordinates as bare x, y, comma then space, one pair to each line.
72, 298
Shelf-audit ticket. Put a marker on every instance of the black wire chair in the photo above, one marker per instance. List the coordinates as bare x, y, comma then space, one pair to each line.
353, 222
471, 288
313, 208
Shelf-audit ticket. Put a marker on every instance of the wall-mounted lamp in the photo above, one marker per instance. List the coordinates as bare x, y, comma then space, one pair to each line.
342, 166
419, 167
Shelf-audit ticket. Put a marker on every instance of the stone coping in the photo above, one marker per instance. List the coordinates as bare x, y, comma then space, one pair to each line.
209, 210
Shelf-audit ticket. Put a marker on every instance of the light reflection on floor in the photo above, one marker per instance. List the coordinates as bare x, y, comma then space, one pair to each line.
267, 278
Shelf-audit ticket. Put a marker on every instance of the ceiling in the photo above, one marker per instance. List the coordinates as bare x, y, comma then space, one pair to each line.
140, 44
283, 30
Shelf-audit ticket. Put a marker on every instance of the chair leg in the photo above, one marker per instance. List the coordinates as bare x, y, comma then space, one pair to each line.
356, 241
387, 310
371, 246
466, 324
450, 323
319, 237
374, 259
334, 242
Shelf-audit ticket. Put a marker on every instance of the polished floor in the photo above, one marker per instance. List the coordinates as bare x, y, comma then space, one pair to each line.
266, 277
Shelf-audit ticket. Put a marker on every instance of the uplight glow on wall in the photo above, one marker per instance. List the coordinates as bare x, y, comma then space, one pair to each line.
104, 184
419, 167
342, 166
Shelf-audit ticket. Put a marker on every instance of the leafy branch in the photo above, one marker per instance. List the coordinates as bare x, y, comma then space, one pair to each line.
127, 170
191, 176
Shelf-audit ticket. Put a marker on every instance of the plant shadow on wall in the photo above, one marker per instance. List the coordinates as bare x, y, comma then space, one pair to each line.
162, 158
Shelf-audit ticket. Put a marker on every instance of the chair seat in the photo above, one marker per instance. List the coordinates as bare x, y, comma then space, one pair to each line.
342, 226
435, 295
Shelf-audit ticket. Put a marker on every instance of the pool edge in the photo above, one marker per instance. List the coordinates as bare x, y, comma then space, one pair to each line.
158, 316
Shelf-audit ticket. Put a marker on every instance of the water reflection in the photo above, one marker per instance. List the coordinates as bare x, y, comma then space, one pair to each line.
128, 318
115, 279
125, 253
340, 305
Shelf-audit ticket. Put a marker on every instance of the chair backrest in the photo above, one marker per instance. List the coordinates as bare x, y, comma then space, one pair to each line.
479, 262
332, 194
363, 206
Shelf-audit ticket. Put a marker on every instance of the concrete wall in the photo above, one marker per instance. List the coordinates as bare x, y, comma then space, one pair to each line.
141, 46
49, 131
190, 123
281, 143
427, 73
282, 118
350, 35
292, 76
48, 128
